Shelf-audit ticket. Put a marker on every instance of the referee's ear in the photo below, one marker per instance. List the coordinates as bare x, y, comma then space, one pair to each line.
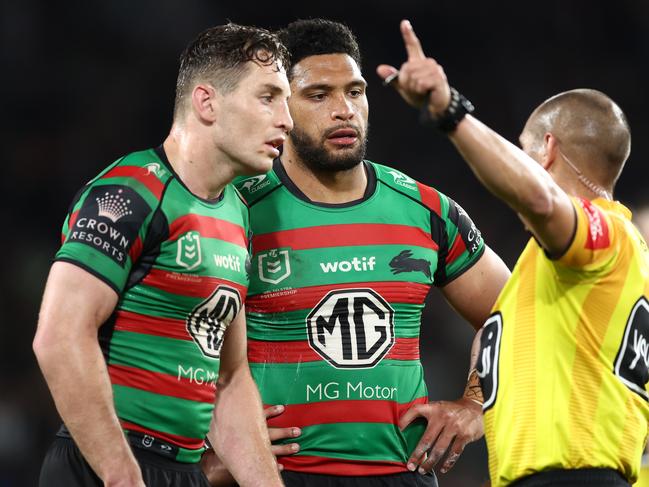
550, 151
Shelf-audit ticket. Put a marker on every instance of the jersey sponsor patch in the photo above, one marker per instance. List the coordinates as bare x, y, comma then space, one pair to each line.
597, 236
109, 221
632, 361
351, 328
208, 321
487, 366
402, 180
469, 233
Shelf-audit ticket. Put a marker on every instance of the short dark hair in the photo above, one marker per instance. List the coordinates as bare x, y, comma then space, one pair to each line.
591, 126
220, 55
312, 37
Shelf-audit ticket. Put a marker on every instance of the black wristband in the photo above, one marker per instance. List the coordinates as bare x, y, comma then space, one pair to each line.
447, 122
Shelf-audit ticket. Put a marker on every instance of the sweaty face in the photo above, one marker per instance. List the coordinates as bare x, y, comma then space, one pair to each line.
253, 119
329, 108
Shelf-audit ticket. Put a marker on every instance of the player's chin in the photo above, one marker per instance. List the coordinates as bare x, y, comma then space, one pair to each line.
261, 165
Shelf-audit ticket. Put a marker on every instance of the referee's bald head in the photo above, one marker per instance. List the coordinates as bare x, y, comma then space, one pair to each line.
589, 126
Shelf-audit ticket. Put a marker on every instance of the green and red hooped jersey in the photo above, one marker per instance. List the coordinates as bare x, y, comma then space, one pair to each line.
179, 265
334, 310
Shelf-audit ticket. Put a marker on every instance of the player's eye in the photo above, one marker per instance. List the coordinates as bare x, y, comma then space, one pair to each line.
317, 96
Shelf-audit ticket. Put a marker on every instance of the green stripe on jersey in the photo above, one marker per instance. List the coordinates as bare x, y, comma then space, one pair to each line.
401, 381
158, 354
166, 414
391, 203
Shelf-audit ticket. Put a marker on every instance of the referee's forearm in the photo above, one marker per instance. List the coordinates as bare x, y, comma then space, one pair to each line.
504, 169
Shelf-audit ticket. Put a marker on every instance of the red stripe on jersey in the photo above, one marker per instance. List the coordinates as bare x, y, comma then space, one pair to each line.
208, 227
189, 285
73, 219
181, 441
328, 412
430, 198
164, 384
260, 351
141, 174
456, 250
597, 233
150, 325
343, 235
308, 297
339, 466
136, 249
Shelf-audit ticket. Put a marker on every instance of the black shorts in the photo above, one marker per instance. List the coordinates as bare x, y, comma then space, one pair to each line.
582, 477
64, 466
406, 479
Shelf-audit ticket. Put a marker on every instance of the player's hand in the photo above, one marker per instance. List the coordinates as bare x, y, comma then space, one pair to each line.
281, 433
451, 426
420, 80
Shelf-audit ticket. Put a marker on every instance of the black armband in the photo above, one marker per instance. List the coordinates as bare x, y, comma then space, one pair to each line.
447, 122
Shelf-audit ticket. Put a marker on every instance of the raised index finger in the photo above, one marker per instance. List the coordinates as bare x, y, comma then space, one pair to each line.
413, 46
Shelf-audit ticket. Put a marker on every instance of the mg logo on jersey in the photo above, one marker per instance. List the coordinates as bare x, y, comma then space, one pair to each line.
208, 321
632, 361
487, 366
274, 266
351, 328
189, 250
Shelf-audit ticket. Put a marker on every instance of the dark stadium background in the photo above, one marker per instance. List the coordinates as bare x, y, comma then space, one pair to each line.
85, 82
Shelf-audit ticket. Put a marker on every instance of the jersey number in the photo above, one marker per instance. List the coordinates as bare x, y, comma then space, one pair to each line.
351, 328
632, 361
487, 366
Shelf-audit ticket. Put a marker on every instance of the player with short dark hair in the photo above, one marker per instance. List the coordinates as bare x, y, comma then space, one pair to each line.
562, 359
142, 312
344, 252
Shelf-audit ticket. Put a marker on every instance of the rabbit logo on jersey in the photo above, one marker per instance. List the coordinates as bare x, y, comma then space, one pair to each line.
351, 328
208, 321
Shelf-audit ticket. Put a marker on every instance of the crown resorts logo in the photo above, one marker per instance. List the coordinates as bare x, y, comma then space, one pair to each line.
113, 206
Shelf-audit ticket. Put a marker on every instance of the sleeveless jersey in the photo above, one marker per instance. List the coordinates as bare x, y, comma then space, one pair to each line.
178, 264
334, 310
564, 358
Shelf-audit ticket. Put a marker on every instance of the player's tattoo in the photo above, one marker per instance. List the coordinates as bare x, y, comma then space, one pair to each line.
473, 390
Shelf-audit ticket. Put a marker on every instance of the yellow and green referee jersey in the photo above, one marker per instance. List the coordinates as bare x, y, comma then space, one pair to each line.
564, 356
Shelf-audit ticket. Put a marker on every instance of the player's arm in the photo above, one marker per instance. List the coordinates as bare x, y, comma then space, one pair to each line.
75, 305
238, 432
502, 167
451, 425
215, 470
473, 293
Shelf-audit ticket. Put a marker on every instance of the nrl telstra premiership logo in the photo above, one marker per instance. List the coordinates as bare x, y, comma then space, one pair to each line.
274, 266
189, 250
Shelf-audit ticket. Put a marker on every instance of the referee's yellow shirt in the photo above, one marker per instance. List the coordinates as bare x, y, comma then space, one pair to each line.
565, 356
